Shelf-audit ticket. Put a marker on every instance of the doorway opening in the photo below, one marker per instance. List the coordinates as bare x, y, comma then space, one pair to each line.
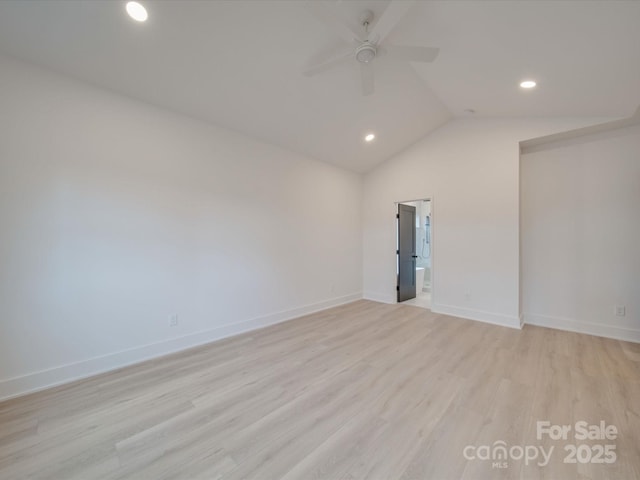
414, 266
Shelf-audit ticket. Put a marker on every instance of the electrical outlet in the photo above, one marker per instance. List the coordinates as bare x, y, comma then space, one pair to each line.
467, 296
173, 320
620, 310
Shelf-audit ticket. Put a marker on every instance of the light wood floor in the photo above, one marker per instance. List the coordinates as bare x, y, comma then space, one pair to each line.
365, 390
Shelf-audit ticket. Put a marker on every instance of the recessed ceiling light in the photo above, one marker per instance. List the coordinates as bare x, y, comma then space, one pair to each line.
137, 11
369, 137
528, 84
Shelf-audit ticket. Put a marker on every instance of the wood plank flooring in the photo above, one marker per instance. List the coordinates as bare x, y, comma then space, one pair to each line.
362, 391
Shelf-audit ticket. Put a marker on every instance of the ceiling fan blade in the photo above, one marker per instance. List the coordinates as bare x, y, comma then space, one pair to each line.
368, 85
327, 64
389, 19
335, 22
413, 54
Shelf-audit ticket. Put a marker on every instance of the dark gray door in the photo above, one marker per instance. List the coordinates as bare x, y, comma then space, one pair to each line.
406, 252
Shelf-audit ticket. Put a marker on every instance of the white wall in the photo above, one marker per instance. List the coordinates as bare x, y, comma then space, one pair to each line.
470, 168
581, 234
116, 214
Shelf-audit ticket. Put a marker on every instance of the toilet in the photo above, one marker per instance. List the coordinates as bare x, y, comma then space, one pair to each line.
419, 279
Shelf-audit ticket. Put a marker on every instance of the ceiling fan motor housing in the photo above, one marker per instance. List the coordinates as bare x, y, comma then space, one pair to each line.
366, 52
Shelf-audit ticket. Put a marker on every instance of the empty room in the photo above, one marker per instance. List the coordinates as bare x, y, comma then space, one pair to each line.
319, 239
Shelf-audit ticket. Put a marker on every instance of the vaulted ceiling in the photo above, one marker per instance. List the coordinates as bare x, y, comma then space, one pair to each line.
238, 64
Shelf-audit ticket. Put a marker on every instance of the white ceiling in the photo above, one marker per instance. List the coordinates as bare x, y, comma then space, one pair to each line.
238, 64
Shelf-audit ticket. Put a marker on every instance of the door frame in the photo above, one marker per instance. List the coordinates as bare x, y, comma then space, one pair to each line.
407, 252
432, 246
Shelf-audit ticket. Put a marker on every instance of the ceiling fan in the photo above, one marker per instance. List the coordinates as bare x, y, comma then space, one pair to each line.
367, 44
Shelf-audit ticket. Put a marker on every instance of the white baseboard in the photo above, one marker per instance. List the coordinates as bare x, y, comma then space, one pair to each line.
18, 386
379, 297
559, 323
479, 315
